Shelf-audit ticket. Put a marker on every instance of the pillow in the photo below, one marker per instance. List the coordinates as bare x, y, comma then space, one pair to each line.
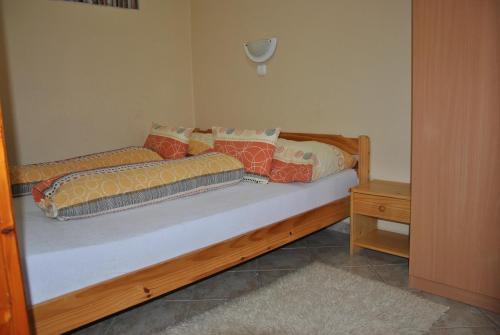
307, 161
99, 191
24, 177
200, 143
254, 148
169, 142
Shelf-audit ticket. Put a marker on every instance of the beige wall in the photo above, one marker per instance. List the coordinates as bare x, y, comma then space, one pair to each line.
82, 78
342, 66
78, 78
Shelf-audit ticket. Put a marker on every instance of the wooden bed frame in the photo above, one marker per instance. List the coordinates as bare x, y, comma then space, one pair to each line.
91, 303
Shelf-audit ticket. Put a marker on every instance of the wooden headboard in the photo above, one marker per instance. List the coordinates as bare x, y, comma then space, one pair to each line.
358, 146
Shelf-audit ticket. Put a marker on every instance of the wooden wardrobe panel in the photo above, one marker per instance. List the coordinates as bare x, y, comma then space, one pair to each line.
5, 308
13, 315
455, 231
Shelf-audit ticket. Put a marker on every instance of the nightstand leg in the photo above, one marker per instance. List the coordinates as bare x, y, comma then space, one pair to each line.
360, 226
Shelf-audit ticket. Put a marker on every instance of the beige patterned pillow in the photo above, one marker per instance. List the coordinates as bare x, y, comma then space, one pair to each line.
296, 161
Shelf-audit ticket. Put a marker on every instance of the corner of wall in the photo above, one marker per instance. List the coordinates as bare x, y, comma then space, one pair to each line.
193, 93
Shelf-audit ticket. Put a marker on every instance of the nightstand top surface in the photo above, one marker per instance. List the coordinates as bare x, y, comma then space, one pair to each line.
385, 188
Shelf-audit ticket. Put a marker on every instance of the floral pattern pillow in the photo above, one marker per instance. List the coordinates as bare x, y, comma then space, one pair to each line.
169, 142
307, 161
254, 148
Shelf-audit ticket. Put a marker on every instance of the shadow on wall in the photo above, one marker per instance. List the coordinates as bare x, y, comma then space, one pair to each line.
5, 95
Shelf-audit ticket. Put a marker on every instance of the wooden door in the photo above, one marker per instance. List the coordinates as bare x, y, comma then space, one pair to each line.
13, 316
455, 231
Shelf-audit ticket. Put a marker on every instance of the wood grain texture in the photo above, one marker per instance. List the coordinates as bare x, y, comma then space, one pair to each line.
455, 231
13, 315
382, 207
386, 188
349, 144
385, 241
360, 226
364, 159
86, 305
455, 293
379, 199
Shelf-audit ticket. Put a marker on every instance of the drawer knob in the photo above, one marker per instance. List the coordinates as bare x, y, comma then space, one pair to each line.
381, 208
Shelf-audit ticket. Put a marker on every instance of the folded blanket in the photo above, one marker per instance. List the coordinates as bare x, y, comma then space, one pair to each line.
24, 177
99, 191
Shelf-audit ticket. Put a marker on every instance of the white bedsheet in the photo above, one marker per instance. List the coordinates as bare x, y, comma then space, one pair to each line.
60, 257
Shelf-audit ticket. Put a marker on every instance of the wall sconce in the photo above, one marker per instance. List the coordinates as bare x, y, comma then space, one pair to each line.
260, 51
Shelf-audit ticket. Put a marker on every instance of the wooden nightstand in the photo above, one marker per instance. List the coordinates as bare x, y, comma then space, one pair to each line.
379, 199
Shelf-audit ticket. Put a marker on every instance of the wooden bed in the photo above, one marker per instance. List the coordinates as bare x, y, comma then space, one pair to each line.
80, 307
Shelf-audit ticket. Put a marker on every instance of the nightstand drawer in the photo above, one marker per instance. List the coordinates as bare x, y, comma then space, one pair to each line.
393, 209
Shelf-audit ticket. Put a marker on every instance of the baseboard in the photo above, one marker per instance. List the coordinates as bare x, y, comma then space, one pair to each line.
395, 227
468, 297
400, 228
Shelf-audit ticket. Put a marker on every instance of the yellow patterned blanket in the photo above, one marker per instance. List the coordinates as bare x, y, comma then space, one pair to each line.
24, 177
105, 190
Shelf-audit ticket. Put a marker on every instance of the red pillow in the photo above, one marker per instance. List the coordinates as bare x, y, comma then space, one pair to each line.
254, 148
169, 142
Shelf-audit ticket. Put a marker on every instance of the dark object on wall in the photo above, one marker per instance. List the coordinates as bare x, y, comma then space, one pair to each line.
131, 4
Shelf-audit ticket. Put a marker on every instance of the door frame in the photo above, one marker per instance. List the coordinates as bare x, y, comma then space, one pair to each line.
15, 316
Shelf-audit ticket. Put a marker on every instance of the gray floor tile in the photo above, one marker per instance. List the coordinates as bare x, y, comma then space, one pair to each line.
98, 328
284, 259
249, 265
268, 277
185, 293
327, 238
363, 271
226, 285
300, 243
150, 317
495, 318
338, 257
381, 258
200, 306
459, 315
326, 246
395, 274
464, 331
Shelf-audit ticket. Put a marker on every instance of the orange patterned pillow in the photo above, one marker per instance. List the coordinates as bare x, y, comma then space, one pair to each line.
254, 148
287, 172
307, 161
169, 142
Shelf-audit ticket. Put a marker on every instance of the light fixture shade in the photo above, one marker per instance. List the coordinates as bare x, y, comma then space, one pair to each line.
260, 51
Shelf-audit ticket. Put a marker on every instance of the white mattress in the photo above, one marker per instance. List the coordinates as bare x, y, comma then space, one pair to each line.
60, 257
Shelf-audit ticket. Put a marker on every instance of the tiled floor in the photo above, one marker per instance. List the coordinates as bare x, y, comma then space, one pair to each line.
326, 246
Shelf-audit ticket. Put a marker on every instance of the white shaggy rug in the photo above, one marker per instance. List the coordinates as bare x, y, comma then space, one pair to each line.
318, 299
